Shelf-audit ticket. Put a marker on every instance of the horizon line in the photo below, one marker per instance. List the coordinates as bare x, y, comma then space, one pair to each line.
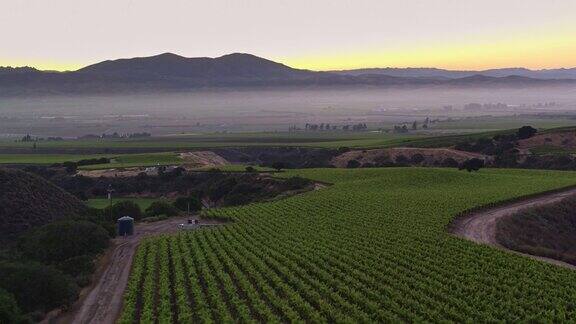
78, 67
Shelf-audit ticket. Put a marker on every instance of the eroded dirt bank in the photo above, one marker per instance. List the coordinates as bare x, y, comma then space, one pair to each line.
480, 227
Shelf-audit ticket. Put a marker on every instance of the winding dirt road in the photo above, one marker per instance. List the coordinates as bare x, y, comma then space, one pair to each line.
480, 227
102, 301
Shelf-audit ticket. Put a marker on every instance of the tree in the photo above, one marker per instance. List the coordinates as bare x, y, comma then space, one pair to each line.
353, 164
192, 202
57, 242
278, 166
37, 287
158, 208
123, 208
9, 311
473, 164
526, 132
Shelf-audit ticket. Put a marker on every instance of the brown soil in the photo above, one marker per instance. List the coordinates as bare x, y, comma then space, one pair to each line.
202, 159
102, 301
430, 155
480, 227
111, 173
560, 139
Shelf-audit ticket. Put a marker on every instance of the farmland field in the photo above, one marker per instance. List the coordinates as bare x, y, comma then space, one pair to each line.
101, 203
372, 247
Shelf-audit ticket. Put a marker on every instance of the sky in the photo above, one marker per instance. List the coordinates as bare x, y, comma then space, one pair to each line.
311, 34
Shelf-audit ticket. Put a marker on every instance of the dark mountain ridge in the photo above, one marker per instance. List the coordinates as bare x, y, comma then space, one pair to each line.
562, 73
171, 72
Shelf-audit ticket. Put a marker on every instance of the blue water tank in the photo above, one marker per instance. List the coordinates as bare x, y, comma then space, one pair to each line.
125, 226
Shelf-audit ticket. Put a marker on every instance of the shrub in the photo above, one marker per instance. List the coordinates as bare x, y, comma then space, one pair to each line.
123, 208
9, 311
294, 183
77, 265
161, 208
401, 159
417, 158
526, 132
470, 165
278, 166
37, 287
60, 241
352, 164
450, 163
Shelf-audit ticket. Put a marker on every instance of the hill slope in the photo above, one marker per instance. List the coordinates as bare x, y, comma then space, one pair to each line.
27, 201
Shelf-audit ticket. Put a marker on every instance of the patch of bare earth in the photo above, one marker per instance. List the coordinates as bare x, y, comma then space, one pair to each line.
561, 139
111, 173
432, 156
202, 159
480, 227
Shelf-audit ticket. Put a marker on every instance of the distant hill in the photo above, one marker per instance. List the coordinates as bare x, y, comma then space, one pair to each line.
233, 66
450, 74
27, 201
17, 70
171, 72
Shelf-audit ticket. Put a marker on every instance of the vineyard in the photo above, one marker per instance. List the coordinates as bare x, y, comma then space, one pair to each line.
371, 248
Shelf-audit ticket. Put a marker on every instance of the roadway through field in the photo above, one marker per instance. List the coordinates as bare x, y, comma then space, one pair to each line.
480, 227
103, 302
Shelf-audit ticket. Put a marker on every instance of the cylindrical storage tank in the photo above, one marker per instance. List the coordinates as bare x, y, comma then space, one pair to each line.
125, 226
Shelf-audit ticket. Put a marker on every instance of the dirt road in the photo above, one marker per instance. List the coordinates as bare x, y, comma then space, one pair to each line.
480, 226
102, 302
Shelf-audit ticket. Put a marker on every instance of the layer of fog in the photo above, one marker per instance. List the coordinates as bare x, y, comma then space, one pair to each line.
263, 109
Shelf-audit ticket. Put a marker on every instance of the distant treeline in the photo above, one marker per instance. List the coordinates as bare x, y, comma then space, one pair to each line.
116, 135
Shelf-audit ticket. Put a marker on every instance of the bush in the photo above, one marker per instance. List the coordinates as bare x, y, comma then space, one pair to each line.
78, 265
352, 164
161, 208
122, 208
417, 158
450, 163
9, 311
37, 287
401, 159
472, 165
278, 166
192, 202
526, 132
294, 183
60, 241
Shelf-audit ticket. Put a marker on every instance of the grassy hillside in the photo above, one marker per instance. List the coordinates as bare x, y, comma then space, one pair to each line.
371, 248
27, 201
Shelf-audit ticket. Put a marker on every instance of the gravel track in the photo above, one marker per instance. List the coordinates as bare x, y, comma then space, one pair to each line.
480, 227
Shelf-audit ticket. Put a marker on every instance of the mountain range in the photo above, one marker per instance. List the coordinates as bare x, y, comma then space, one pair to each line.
171, 72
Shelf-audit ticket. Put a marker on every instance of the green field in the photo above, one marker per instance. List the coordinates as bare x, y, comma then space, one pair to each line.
137, 160
101, 203
44, 158
371, 248
179, 142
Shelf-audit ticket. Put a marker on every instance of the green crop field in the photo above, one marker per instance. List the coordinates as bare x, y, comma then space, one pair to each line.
101, 203
137, 160
372, 247
44, 158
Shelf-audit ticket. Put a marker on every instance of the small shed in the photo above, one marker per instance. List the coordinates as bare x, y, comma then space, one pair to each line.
125, 226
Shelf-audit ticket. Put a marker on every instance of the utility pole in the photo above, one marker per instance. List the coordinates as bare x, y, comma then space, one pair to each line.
110, 191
